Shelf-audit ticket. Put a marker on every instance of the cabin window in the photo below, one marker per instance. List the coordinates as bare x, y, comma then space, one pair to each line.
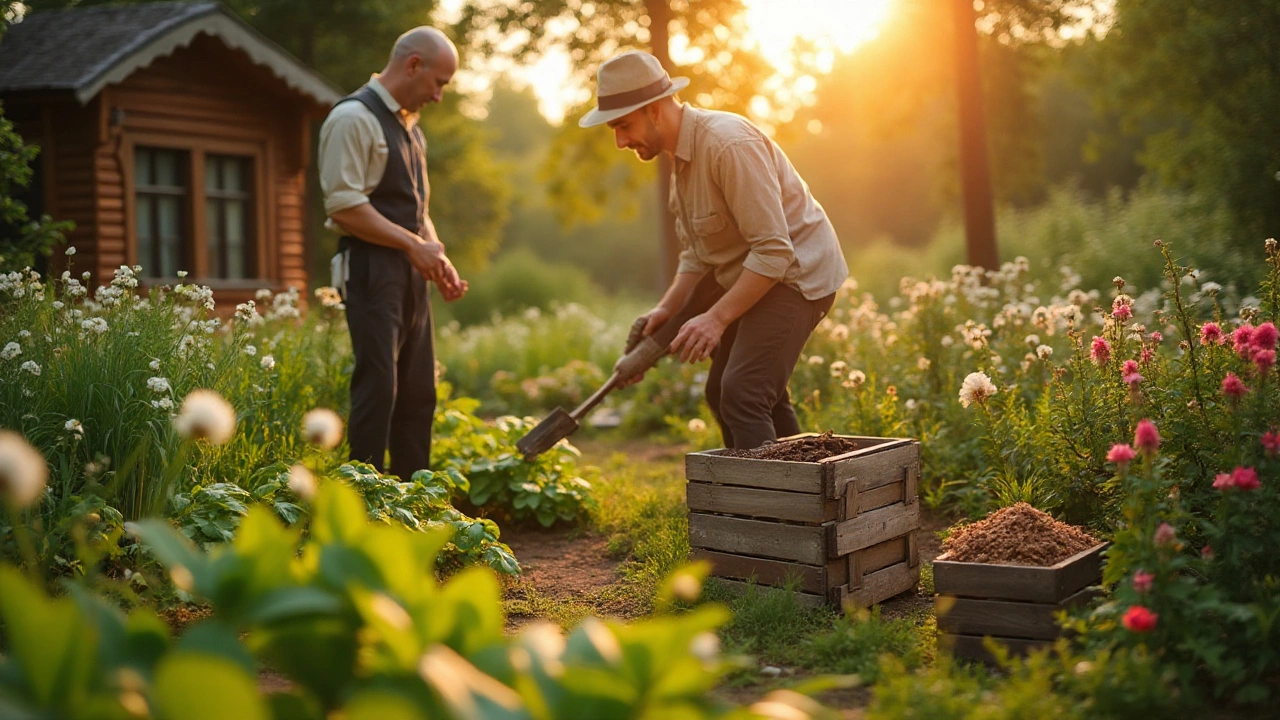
161, 188
229, 216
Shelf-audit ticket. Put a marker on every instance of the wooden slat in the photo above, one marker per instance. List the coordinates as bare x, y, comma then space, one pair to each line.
754, 502
801, 543
768, 474
866, 445
811, 578
879, 586
877, 526
877, 557
1035, 621
875, 469
1019, 582
973, 647
856, 503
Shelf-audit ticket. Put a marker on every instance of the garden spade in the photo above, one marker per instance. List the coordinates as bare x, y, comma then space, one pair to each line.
645, 353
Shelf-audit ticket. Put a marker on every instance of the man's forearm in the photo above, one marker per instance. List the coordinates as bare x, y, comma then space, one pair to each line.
366, 223
745, 293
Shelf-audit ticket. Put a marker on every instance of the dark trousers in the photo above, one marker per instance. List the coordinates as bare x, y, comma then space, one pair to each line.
750, 368
393, 388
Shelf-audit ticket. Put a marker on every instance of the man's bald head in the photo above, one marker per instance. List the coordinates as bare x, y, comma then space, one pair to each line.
427, 43
422, 63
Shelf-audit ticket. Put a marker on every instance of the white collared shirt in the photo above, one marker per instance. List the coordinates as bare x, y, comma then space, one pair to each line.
353, 151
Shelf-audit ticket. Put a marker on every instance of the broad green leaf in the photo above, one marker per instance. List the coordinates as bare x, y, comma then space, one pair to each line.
216, 639
293, 602
467, 692
195, 686
338, 515
381, 705
48, 639
183, 561
477, 599
318, 653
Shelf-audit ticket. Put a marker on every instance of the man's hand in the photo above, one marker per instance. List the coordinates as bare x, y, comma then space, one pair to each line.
697, 338
651, 320
427, 257
451, 285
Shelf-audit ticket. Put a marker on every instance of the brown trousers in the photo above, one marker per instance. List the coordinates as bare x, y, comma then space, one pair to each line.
750, 368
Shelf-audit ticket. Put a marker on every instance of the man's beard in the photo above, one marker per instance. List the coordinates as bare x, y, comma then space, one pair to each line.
649, 148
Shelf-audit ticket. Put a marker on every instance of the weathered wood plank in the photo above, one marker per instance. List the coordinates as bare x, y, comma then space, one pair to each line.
867, 445
973, 647
874, 527
755, 502
1019, 582
878, 586
767, 474
1034, 621
877, 557
801, 598
801, 543
811, 578
855, 503
876, 469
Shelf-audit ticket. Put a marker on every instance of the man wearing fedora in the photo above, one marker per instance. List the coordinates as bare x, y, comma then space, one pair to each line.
746, 222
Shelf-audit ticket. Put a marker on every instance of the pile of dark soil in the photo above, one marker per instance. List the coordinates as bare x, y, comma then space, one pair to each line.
810, 449
1017, 535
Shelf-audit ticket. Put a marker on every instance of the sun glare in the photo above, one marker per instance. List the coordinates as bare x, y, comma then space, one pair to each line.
833, 25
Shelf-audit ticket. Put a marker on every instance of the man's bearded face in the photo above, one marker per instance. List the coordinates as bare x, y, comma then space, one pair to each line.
637, 131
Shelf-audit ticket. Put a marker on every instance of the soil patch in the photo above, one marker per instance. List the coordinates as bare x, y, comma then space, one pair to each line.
1017, 535
564, 563
810, 449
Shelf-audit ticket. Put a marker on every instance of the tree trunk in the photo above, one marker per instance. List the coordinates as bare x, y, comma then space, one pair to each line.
975, 175
660, 37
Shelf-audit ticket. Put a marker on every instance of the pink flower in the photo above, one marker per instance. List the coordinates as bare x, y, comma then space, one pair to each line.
1206, 553
1223, 481
1156, 337
1264, 359
1145, 356
1132, 380
1245, 478
1233, 387
1121, 312
1101, 351
1121, 455
1142, 581
1139, 619
1271, 442
1146, 438
1265, 336
1129, 367
1165, 535
1243, 340
1210, 334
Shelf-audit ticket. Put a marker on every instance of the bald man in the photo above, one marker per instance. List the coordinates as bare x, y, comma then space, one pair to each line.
373, 173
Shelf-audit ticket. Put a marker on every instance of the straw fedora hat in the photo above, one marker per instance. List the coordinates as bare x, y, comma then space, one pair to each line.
627, 82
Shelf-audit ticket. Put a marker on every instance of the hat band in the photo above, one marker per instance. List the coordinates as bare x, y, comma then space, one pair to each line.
635, 97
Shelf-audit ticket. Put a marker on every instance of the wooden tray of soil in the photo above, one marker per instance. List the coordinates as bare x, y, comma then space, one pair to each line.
1007, 576
836, 512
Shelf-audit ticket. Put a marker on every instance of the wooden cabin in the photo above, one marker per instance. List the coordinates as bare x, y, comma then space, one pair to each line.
174, 135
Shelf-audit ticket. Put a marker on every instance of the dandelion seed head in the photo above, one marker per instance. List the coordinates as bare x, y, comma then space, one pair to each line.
205, 415
322, 427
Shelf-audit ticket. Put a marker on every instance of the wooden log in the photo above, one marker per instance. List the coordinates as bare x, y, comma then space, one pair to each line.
973, 647
801, 543
873, 527
1002, 618
767, 474
1019, 582
878, 586
810, 578
755, 502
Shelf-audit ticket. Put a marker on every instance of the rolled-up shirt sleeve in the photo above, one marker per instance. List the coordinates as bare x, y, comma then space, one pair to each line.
745, 171
348, 142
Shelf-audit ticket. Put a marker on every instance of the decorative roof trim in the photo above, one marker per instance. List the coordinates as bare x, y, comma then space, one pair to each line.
217, 23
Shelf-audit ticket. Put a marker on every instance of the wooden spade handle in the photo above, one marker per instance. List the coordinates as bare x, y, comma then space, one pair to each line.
656, 346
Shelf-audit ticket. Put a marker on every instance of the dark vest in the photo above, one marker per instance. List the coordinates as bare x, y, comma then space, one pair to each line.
401, 195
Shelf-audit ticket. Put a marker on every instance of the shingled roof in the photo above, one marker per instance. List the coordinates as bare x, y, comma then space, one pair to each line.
82, 50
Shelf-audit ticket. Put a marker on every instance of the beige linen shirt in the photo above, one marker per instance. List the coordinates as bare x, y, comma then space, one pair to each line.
353, 151
739, 203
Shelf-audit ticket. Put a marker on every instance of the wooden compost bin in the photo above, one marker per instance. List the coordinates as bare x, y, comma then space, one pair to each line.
1014, 604
844, 527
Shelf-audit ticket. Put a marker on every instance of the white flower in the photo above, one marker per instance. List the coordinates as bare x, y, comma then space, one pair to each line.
10, 351
95, 324
58, 305
32, 367
697, 425
163, 403
182, 274
250, 350
923, 364
23, 470
1044, 352
158, 385
268, 362
1032, 340
977, 388
1212, 288
856, 379
71, 250
947, 341
24, 334
322, 427
839, 368
73, 426
154, 364
705, 646
206, 415
817, 360
302, 482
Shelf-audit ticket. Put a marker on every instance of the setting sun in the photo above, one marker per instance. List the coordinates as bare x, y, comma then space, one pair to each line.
834, 25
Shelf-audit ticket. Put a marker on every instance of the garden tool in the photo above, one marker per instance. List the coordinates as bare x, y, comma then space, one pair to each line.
642, 353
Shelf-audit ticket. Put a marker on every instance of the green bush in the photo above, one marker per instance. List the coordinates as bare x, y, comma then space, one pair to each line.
518, 281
